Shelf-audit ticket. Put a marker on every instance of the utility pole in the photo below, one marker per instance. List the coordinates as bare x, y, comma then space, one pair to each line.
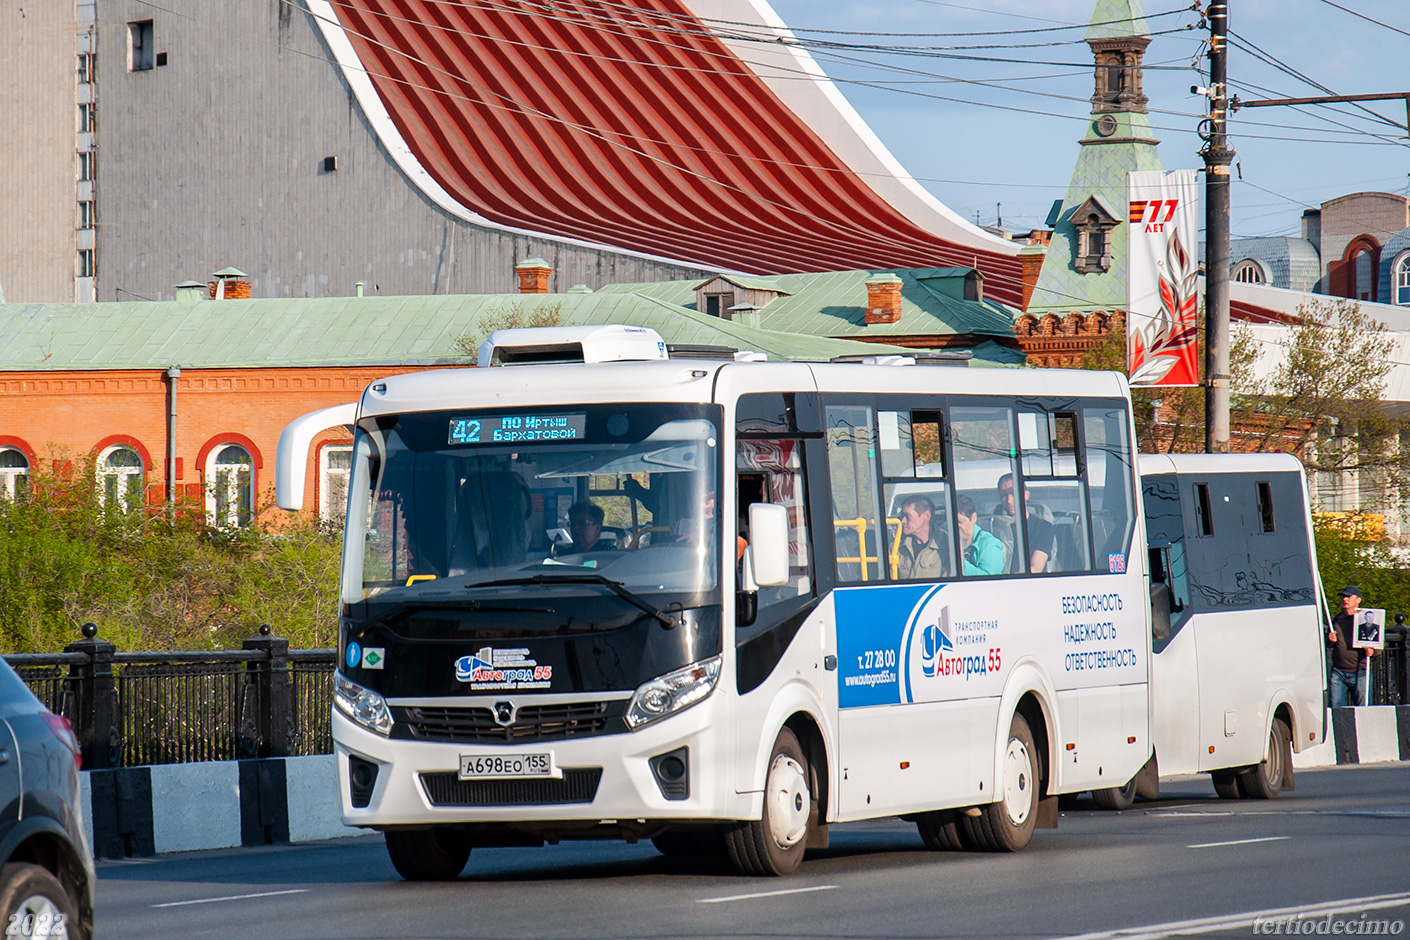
1217, 159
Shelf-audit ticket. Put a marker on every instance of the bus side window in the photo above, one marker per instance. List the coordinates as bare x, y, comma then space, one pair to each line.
1204, 512
984, 453
1265, 505
1108, 474
919, 527
771, 471
851, 462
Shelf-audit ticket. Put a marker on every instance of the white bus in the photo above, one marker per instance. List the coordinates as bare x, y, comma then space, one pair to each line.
590, 590
1239, 673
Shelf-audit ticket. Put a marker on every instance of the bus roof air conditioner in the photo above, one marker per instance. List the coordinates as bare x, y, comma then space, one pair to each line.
557, 344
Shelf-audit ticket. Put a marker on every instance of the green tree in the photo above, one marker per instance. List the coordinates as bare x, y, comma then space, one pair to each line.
154, 581
520, 313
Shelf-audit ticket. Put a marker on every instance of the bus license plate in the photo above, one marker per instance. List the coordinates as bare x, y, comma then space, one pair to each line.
483, 766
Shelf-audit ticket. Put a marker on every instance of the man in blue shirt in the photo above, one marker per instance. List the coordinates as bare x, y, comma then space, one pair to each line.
982, 552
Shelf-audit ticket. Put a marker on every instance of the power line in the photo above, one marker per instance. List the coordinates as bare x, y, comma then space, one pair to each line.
1394, 29
1277, 63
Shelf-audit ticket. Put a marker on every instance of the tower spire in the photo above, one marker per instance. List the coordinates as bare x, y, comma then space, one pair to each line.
1118, 36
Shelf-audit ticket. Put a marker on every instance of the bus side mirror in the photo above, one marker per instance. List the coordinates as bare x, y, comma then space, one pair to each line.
768, 544
1160, 611
291, 457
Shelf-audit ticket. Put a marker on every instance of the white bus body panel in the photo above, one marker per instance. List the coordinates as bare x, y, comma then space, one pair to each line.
1220, 680
928, 736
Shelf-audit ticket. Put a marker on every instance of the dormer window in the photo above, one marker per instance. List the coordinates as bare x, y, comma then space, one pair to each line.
717, 305
1093, 223
716, 296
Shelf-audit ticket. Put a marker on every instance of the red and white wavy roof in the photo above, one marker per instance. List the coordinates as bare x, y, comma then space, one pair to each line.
638, 126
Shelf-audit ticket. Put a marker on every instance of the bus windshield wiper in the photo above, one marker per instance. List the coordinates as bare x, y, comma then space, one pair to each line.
616, 587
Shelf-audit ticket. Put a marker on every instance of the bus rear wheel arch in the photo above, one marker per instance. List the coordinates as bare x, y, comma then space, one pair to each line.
1264, 780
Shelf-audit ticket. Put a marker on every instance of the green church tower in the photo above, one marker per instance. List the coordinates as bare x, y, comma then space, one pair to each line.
1086, 262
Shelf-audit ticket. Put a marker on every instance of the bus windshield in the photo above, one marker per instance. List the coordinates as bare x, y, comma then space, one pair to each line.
624, 492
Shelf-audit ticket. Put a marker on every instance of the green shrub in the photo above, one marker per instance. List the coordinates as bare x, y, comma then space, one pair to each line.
1371, 566
154, 579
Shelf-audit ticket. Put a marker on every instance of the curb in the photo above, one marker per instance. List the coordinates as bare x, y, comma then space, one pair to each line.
1361, 735
143, 811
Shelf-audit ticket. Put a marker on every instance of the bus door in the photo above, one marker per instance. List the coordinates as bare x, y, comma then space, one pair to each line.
777, 447
1175, 676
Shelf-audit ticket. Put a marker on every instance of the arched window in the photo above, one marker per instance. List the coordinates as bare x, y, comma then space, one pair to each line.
1400, 279
14, 472
1363, 273
230, 490
120, 477
334, 468
1249, 271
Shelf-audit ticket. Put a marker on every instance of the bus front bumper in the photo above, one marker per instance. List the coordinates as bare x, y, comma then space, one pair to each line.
603, 780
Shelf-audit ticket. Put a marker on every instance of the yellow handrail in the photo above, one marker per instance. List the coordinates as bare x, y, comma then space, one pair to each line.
860, 525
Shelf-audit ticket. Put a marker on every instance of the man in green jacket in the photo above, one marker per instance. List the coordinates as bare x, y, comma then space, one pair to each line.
982, 551
920, 554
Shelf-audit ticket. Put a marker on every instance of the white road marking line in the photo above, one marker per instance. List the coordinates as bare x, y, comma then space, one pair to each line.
1374, 813
233, 897
764, 894
1215, 845
1245, 920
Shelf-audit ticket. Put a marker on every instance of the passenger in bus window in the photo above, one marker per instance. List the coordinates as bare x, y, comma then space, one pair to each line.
982, 552
1039, 530
921, 555
585, 528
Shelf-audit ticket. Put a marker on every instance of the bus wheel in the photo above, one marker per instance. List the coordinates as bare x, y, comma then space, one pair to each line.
1116, 798
1264, 781
435, 854
1226, 784
774, 845
680, 843
942, 831
1007, 826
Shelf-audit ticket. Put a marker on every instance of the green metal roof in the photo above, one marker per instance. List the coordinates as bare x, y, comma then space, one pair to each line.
1100, 171
833, 303
1116, 19
413, 330
746, 281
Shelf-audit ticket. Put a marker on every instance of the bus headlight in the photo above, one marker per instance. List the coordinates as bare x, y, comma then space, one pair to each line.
668, 694
363, 706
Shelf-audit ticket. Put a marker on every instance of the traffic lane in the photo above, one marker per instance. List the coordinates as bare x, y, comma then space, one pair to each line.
1097, 872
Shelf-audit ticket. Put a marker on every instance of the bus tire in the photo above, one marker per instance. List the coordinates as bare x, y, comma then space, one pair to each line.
942, 831
1007, 825
1116, 798
1267, 779
435, 854
683, 843
1226, 784
775, 843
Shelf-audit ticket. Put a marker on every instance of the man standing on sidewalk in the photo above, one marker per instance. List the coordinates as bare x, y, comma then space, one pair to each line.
1348, 663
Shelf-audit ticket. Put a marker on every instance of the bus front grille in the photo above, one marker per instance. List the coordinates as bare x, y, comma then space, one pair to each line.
578, 785
532, 723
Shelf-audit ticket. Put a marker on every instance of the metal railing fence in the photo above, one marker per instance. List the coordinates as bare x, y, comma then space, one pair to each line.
131, 709
266, 700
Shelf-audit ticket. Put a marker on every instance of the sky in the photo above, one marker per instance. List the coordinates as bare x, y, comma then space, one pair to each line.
999, 139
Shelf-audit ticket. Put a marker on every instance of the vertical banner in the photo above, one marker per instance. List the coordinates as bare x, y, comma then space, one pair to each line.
1162, 318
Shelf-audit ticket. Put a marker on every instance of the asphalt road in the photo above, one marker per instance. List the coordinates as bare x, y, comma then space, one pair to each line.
1188, 864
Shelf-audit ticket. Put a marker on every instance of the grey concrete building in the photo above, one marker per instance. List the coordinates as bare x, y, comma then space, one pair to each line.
222, 134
